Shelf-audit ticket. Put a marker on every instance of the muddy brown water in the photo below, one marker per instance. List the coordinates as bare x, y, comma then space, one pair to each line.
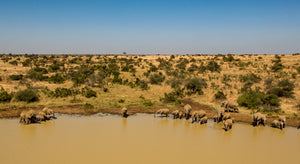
143, 139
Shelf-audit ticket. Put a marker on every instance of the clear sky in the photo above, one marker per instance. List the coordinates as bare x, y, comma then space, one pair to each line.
150, 27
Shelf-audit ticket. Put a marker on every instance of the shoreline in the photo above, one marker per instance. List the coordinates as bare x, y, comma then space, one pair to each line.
78, 109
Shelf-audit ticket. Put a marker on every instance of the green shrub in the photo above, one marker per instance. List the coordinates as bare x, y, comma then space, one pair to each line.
53, 68
250, 78
37, 73
284, 88
26, 63
87, 106
228, 58
16, 77
195, 85
255, 99
0, 78
173, 97
157, 78
57, 79
277, 66
220, 95
14, 62
27, 95
63, 92
213, 66
88, 92
5, 96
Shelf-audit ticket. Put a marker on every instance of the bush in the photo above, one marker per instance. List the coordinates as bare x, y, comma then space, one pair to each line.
37, 74
14, 62
228, 58
173, 96
213, 66
5, 96
250, 78
195, 86
87, 106
88, 93
16, 77
157, 78
220, 95
27, 95
63, 92
53, 68
57, 79
0, 78
255, 99
284, 89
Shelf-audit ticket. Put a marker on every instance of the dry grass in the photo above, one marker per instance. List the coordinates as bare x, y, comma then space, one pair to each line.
131, 96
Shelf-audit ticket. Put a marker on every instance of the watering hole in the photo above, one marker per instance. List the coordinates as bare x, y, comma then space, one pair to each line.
143, 139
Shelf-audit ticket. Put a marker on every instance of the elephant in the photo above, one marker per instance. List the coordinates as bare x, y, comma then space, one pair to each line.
162, 112
277, 124
226, 116
216, 118
227, 124
203, 120
28, 117
258, 119
197, 115
124, 112
49, 112
42, 116
283, 120
175, 114
187, 111
229, 107
180, 115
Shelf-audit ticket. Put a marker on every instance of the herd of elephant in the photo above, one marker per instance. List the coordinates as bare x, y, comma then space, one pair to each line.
29, 117
222, 116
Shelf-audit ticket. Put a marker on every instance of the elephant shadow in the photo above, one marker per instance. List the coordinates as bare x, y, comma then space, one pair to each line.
53, 117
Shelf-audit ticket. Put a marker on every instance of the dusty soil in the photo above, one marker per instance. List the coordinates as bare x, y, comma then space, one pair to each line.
78, 109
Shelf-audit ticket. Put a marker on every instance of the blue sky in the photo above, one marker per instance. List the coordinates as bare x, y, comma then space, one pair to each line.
150, 27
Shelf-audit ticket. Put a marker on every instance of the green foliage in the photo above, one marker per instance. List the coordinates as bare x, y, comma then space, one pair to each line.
88, 106
53, 68
27, 95
220, 95
80, 76
157, 78
16, 77
213, 66
5, 96
255, 99
57, 79
37, 73
284, 88
195, 85
253, 78
173, 97
64, 92
14, 62
228, 58
88, 92
26, 63
0, 78
277, 66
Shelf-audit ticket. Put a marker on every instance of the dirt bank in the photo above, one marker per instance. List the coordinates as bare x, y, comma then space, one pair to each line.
78, 109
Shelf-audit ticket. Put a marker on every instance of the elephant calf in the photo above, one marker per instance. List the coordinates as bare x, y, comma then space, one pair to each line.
124, 112
49, 112
283, 120
203, 120
227, 124
277, 124
175, 114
